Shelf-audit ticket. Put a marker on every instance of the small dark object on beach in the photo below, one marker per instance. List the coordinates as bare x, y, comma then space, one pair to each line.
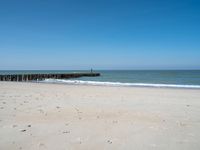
29, 125
66, 131
23, 130
110, 142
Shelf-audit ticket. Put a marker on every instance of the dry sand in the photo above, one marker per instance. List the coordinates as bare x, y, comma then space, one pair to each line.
62, 117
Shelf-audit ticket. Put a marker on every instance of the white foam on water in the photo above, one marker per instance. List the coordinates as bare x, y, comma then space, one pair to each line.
81, 82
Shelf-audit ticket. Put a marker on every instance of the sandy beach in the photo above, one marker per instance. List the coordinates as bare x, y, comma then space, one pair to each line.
36, 116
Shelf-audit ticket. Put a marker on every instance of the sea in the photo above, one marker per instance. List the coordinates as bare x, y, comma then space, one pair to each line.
130, 78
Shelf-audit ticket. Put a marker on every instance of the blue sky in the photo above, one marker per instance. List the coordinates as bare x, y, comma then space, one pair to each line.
102, 34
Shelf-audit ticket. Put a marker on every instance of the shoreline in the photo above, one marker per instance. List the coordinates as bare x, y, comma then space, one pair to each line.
163, 86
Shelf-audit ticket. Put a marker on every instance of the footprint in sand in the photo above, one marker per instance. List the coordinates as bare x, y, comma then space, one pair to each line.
40, 110
109, 141
65, 132
14, 126
58, 107
41, 145
115, 121
182, 124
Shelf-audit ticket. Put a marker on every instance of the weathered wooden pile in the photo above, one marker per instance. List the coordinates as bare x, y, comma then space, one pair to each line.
39, 77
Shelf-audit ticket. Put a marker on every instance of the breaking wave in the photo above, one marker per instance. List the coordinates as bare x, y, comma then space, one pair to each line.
81, 82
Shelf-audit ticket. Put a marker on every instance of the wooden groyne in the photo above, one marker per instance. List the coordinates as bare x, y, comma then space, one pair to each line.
39, 77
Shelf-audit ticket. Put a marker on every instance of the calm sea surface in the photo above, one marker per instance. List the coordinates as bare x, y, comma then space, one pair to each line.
181, 78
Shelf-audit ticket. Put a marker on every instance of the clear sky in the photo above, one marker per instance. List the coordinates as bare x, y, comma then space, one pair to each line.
102, 34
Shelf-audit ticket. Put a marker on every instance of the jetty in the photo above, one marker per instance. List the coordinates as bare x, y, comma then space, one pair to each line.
40, 77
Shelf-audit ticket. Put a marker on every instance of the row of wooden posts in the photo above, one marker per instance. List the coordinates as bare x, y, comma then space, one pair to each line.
38, 77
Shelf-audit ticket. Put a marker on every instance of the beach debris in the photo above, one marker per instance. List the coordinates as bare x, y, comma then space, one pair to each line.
57, 107
29, 125
23, 130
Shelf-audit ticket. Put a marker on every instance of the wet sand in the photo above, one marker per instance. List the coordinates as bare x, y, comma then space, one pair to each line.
63, 117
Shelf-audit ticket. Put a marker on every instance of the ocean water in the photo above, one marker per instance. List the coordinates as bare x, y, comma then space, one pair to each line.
147, 78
